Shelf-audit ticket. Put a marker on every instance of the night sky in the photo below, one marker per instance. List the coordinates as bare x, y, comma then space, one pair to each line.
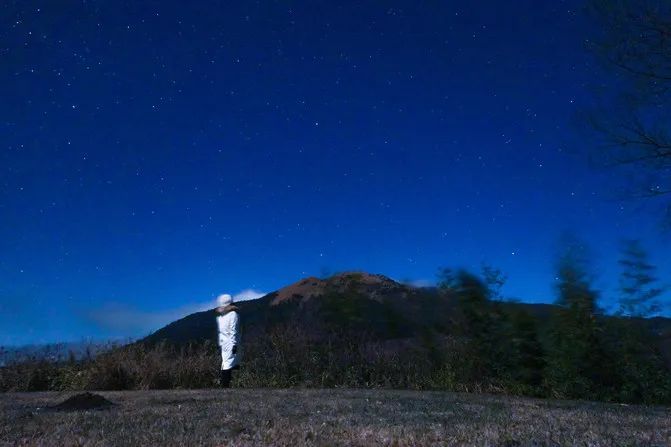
156, 153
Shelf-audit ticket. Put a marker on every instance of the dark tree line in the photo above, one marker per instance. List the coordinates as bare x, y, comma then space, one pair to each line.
581, 352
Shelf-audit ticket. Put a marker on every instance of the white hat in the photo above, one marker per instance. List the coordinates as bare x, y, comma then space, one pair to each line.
224, 299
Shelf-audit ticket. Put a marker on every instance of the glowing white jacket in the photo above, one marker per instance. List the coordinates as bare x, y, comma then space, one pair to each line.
229, 338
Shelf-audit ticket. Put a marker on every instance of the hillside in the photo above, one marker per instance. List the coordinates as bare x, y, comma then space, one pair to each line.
355, 302
349, 301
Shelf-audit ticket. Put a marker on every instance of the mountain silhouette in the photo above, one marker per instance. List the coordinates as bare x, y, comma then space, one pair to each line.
354, 302
350, 301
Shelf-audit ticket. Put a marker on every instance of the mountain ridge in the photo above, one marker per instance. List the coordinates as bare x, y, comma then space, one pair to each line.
358, 302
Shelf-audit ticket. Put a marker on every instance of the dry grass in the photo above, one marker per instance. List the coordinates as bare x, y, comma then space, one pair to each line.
295, 417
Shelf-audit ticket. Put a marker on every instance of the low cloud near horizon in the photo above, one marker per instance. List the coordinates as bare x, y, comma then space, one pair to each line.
419, 283
124, 320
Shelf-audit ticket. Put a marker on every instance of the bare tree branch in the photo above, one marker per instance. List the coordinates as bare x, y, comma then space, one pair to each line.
636, 42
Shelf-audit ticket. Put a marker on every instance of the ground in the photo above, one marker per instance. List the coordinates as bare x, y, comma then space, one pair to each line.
297, 417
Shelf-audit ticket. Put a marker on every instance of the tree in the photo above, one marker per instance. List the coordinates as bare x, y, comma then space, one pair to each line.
633, 121
518, 347
642, 375
470, 296
638, 294
494, 279
527, 351
640, 365
578, 365
479, 322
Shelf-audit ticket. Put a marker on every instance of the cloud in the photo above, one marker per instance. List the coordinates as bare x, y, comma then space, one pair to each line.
421, 283
248, 294
122, 319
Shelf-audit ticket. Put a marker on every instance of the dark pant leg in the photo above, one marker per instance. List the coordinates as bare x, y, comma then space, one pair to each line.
225, 378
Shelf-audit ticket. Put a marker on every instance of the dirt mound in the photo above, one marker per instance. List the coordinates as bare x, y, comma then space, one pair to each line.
83, 401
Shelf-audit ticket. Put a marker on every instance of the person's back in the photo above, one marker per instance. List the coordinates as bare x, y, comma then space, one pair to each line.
228, 337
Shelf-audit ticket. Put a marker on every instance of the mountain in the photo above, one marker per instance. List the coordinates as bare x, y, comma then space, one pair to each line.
355, 302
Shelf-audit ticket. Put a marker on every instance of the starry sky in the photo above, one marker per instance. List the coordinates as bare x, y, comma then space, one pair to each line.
154, 154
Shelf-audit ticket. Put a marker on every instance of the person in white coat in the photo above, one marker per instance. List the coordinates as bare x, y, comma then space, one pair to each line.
229, 337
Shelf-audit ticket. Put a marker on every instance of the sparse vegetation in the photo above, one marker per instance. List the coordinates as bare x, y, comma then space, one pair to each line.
131, 367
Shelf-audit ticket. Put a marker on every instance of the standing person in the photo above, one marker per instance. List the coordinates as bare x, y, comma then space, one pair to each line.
229, 337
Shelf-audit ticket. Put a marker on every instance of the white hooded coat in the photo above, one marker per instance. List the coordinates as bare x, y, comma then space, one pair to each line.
229, 338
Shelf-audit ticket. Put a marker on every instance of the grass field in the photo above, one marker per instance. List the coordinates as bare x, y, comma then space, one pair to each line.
297, 417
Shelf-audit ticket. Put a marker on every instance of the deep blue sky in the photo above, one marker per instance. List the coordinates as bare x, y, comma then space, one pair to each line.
156, 153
